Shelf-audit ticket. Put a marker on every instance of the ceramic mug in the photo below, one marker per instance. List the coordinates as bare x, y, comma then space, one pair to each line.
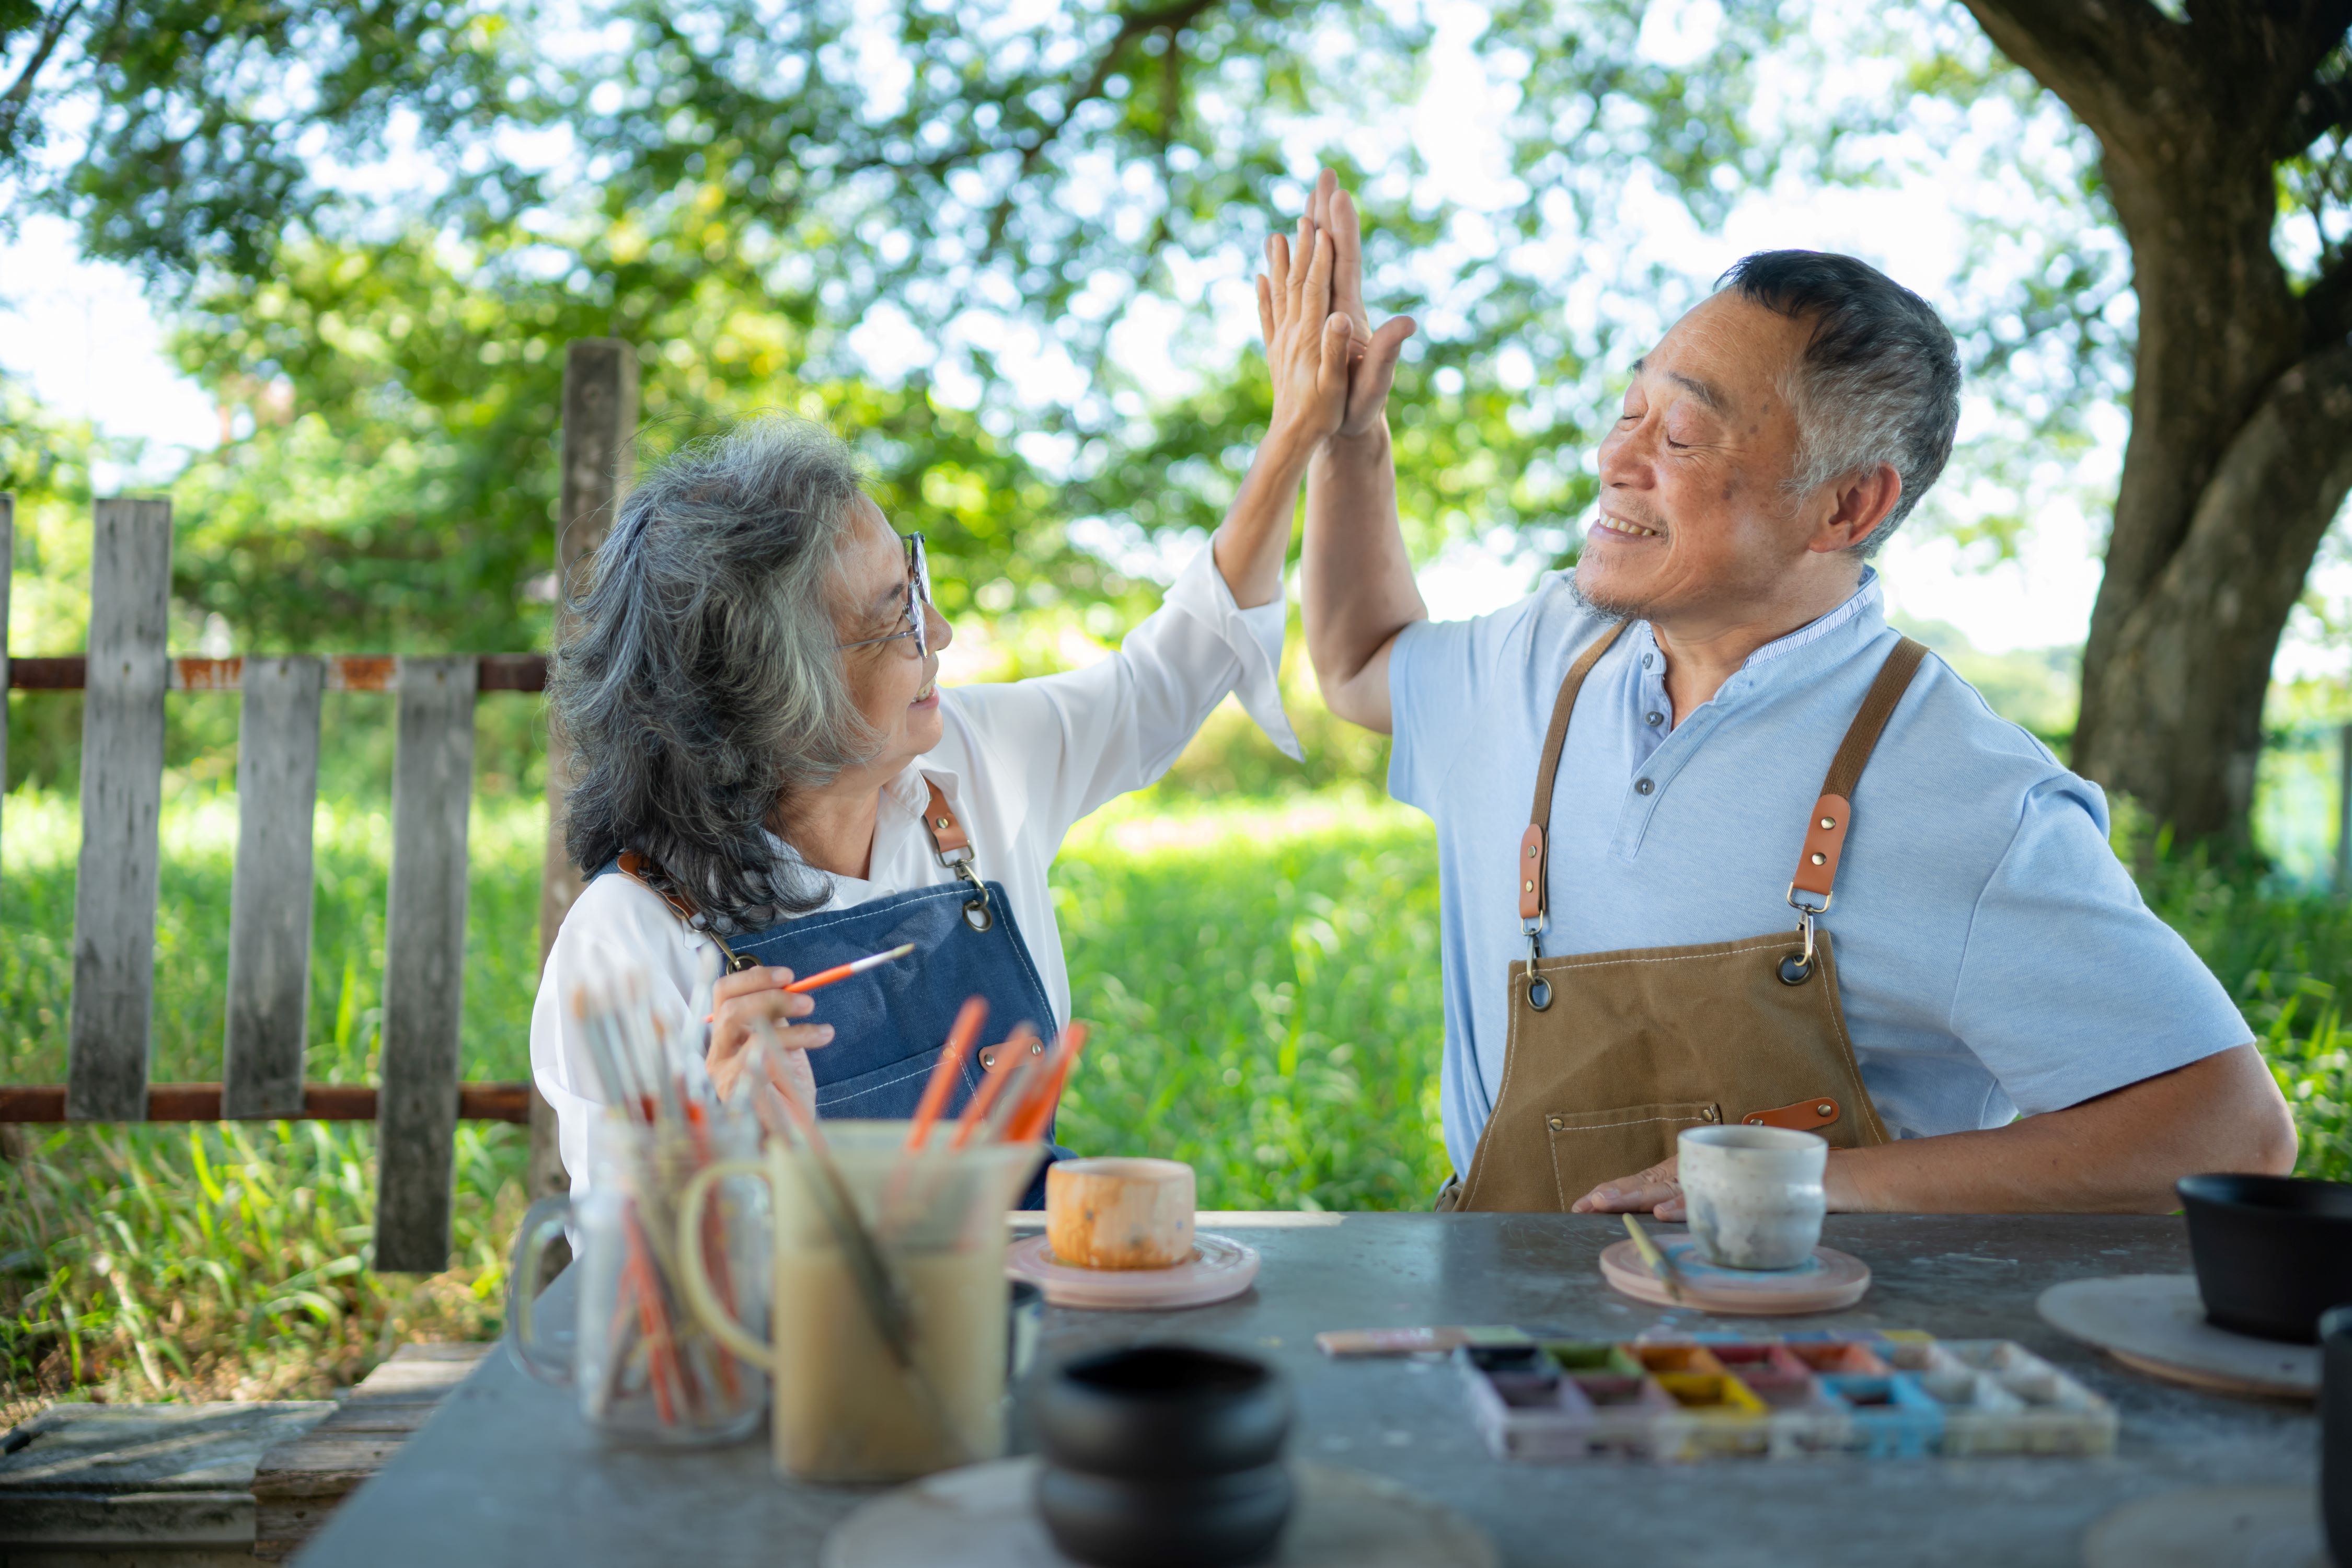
1754, 1194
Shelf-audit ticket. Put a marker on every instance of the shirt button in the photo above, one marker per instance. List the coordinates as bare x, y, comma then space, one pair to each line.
1654, 718
1643, 786
1649, 661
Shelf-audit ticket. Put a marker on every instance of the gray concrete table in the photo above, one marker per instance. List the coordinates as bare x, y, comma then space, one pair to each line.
507, 1473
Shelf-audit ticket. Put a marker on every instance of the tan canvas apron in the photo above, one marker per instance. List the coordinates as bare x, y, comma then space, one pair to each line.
1610, 1055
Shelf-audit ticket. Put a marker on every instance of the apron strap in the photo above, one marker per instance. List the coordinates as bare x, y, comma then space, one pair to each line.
1535, 849
632, 864
1825, 833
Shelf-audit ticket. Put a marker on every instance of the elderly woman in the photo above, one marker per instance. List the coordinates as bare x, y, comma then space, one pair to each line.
768, 777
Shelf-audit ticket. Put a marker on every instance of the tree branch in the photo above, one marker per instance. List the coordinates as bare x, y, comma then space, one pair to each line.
1132, 25
2106, 58
2318, 108
2327, 305
20, 91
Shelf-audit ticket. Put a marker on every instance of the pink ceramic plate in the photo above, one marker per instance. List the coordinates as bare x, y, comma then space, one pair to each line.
1220, 1269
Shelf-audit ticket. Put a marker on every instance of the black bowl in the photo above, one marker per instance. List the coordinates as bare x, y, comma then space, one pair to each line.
1202, 1521
1163, 1412
2335, 1431
2272, 1252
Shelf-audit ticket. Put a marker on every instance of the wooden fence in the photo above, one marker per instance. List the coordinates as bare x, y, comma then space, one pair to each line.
126, 677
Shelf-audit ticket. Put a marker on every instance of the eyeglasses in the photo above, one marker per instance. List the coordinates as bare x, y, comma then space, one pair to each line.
919, 599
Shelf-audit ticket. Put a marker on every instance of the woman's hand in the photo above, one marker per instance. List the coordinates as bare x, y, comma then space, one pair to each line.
1306, 341
753, 1004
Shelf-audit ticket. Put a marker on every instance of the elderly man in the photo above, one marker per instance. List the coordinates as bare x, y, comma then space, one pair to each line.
1716, 844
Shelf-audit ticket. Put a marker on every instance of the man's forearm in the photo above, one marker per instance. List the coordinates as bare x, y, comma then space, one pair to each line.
1356, 580
2119, 1154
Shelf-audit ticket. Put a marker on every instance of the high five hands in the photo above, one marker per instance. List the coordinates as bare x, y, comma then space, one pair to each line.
1331, 371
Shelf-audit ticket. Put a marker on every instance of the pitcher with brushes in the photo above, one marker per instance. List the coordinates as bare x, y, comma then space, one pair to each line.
890, 1346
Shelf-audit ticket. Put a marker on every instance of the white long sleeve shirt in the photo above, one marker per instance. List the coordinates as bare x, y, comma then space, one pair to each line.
1020, 763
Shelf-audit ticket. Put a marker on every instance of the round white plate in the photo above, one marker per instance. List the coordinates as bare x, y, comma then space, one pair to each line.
1221, 1268
982, 1516
2156, 1323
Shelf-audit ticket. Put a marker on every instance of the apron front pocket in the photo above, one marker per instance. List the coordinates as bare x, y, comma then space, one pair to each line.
886, 1094
1590, 1147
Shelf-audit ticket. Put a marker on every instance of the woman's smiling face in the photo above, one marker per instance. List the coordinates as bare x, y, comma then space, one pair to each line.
896, 689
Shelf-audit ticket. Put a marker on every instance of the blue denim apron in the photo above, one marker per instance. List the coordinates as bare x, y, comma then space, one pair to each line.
891, 1022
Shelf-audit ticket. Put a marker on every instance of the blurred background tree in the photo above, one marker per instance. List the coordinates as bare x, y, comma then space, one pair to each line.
1008, 247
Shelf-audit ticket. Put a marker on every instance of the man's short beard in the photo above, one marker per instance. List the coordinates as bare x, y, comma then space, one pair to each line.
1606, 608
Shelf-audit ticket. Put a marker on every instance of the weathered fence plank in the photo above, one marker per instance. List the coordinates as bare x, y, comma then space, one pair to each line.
7, 565
599, 421
269, 901
423, 964
121, 797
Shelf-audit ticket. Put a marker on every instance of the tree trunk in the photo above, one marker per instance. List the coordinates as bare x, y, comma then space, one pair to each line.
2242, 401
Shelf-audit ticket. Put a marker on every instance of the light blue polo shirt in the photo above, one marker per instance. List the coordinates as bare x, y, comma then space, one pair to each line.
1992, 954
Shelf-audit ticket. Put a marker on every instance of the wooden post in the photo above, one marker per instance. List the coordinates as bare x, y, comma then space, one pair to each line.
7, 567
269, 901
423, 965
121, 798
600, 418
2343, 812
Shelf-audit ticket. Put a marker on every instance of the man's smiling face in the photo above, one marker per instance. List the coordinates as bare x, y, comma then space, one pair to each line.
1696, 516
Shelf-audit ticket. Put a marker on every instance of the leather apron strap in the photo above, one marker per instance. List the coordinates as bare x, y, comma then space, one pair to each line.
1825, 833
1535, 847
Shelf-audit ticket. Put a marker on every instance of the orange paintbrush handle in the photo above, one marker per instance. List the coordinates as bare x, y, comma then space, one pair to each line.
855, 966
975, 1110
1038, 1114
944, 1073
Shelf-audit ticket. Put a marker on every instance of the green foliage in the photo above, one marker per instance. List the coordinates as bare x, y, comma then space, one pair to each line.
200, 129
1265, 1000
1262, 975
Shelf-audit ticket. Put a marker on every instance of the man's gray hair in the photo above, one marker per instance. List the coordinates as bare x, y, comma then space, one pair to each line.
1879, 380
698, 680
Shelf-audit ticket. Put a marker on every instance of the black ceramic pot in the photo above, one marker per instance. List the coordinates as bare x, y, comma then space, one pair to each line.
1202, 1521
2335, 1431
1163, 1412
1164, 1456
2272, 1252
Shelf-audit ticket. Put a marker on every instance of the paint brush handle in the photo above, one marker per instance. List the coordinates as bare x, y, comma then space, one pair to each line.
1657, 1260
855, 966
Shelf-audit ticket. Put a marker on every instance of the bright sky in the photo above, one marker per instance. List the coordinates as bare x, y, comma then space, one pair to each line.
85, 338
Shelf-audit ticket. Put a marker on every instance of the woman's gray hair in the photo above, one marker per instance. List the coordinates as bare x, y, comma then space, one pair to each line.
1879, 380
698, 680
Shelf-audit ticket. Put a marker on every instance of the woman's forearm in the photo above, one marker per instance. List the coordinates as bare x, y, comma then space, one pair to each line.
1356, 580
1251, 544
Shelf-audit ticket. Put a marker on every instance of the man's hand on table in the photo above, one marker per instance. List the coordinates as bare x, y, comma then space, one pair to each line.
2117, 1154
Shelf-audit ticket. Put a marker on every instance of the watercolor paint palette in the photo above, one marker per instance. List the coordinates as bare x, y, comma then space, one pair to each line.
1895, 1395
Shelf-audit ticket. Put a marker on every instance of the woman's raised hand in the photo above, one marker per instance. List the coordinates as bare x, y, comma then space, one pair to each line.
1306, 341
745, 1005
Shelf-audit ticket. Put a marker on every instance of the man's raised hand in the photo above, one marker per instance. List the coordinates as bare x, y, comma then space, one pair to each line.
1372, 355
1306, 341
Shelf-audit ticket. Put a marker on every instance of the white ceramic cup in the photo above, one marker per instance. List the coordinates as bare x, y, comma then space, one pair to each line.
1754, 1194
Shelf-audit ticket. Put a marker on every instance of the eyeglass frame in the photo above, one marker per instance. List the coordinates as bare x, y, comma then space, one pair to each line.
919, 599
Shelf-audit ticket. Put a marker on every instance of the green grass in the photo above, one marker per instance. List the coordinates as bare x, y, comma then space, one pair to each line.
1263, 973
